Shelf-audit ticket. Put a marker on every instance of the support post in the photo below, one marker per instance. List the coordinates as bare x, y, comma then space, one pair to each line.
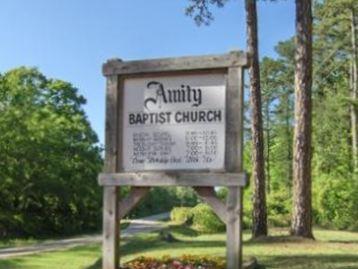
234, 228
111, 220
234, 163
110, 228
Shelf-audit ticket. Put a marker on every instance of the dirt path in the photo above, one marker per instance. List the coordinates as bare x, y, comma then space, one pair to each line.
148, 224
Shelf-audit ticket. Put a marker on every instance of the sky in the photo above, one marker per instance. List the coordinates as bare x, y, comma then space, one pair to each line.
71, 39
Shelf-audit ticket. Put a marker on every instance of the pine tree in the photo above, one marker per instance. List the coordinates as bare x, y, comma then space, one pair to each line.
302, 197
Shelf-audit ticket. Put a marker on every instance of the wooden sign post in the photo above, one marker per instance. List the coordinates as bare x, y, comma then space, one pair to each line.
174, 121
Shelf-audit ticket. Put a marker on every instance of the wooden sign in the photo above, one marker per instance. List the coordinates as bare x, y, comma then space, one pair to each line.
174, 122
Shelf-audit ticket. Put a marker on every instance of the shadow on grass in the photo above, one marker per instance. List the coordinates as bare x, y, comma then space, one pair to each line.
96, 265
336, 261
278, 239
9, 264
286, 239
343, 241
141, 244
181, 230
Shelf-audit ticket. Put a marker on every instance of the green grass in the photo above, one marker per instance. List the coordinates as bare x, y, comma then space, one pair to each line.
331, 250
23, 242
76, 258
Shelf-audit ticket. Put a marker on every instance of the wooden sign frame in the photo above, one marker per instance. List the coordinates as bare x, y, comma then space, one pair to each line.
114, 209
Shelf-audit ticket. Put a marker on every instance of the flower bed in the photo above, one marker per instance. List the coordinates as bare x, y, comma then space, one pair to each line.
183, 262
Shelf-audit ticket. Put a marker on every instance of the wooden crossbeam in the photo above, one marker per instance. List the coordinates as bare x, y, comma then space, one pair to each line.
169, 179
119, 67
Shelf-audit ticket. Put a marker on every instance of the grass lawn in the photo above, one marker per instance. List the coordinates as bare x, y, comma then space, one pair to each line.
21, 242
331, 250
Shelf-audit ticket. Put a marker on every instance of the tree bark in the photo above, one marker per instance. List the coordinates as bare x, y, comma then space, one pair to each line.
302, 197
354, 90
259, 227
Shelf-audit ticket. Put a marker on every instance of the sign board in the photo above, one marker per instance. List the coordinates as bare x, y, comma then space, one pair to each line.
174, 122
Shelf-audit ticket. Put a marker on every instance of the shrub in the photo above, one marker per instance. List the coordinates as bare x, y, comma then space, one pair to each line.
279, 208
248, 206
205, 220
222, 193
336, 202
182, 215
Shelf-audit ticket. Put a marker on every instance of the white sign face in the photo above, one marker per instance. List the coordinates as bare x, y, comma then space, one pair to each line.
174, 123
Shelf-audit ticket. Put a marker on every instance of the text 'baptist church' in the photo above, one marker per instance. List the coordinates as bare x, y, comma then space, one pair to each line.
184, 94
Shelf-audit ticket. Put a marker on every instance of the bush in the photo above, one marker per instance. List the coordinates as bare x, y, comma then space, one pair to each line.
182, 215
248, 206
222, 193
279, 208
336, 202
205, 220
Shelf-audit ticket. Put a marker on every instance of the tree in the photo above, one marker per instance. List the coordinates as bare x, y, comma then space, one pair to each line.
199, 9
302, 197
259, 220
354, 84
49, 158
277, 89
335, 19
334, 190
334, 179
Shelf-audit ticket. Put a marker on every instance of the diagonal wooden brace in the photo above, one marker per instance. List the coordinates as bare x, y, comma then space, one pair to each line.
209, 196
131, 200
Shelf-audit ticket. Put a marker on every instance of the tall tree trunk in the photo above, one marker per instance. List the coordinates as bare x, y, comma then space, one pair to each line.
259, 227
302, 197
268, 146
354, 90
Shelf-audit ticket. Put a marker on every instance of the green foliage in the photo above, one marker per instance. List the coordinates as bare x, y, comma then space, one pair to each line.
336, 201
277, 86
182, 215
201, 217
205, 220
248, 207
49, 159
279, 208
334, 180
333, 175
222, 193
163, 199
